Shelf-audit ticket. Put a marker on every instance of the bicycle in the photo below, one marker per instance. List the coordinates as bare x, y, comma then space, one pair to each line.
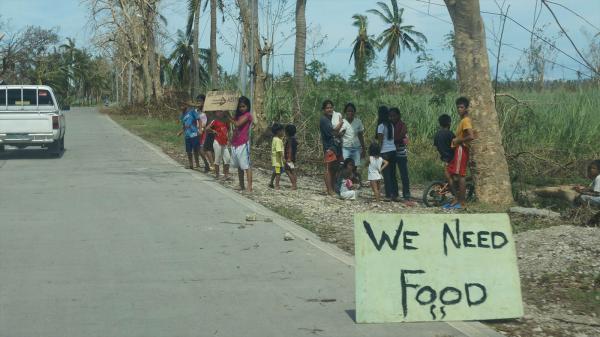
438, 193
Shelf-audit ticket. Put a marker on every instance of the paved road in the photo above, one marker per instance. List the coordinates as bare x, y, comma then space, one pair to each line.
113, 239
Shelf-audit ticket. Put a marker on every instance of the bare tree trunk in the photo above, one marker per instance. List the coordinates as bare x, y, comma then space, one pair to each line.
129, 83
154, 67
214, 76
147, 79
154, 61
299, 56
258, 76
195, 53
492, 179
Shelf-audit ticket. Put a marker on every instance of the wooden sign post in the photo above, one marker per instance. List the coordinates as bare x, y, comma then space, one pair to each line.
435, 267
221, 100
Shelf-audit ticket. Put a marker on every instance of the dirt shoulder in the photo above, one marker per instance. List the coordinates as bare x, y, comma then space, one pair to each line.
559, 263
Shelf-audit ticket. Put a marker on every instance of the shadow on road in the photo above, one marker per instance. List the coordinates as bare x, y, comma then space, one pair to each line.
20, 154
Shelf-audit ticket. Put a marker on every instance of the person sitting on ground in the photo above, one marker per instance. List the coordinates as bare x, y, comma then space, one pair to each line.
220, 128
348, 184
291, 149
376, 165
590, 195
240, 142
443, 142
461, 144
277, 155
190, 122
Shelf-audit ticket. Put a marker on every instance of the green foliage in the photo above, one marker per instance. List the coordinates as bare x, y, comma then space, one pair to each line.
441, 79
34, 56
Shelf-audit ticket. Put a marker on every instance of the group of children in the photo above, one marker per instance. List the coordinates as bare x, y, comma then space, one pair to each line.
207, 136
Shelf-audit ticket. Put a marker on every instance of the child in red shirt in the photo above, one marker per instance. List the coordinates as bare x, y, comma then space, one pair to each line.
220, 128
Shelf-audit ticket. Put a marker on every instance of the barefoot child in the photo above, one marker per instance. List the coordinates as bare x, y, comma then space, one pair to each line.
240, 142
190, 123
277, 154
443, 142
220, 128
376, 165
209, 140
291, 148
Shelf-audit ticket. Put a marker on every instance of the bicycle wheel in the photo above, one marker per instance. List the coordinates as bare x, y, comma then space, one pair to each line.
436, 194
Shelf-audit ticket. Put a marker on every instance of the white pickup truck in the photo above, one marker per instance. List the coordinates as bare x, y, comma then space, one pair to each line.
30, 116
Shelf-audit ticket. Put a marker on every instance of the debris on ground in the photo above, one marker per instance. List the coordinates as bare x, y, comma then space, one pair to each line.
534, 212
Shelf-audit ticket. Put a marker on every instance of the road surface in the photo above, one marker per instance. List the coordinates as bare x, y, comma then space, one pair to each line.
115, 239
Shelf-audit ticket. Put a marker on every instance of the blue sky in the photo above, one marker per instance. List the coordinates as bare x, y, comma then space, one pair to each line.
333, 19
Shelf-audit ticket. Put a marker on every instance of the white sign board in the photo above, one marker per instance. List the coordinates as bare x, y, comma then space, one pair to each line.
435, 267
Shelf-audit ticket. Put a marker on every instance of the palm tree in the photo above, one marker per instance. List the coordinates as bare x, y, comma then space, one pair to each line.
181, 63
181, 58
396, 37
363, 50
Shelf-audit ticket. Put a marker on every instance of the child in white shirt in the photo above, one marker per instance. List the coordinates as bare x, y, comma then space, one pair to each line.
376, 165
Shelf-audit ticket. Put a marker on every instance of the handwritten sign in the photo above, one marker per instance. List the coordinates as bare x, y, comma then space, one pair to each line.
221, 100
435, 267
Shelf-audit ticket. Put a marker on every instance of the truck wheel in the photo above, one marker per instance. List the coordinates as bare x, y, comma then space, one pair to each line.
62, 143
